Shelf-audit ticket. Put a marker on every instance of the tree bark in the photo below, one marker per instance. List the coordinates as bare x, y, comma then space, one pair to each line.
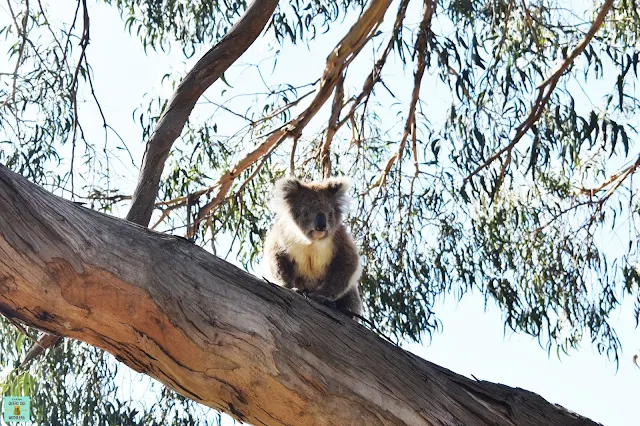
205, 72
218, 335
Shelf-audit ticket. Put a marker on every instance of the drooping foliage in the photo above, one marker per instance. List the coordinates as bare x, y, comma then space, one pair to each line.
501, 162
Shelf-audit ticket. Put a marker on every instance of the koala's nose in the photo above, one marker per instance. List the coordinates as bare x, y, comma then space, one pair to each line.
321, 222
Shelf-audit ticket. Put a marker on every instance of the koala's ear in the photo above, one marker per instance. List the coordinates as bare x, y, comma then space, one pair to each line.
338, 186
286, 187
283, 191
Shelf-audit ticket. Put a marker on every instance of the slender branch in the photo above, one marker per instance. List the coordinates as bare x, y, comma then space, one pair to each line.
84, 43
559, 215
182, 201
630, 170
226, 180
544, 94
292, 157
332, 127
206, 71
624, 172
618, 178
374, 76
421, 49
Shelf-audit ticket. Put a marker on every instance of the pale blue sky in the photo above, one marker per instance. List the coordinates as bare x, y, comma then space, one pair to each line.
472, 341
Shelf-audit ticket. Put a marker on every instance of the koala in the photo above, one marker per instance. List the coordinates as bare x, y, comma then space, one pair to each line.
308, 248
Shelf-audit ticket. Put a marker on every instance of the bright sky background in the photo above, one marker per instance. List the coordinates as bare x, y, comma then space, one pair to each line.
472, 341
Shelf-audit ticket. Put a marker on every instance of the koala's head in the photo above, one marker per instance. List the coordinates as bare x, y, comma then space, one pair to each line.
316, 208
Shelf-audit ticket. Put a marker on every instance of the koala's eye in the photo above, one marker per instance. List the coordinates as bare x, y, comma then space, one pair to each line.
305, 214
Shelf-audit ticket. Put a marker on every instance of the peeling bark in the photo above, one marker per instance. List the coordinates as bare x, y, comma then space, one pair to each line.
218, 335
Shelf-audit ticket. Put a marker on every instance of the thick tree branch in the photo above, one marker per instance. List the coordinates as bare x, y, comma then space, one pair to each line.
206, 71
544, 94
219, 336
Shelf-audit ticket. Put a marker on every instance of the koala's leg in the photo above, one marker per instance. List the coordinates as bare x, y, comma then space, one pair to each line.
284, 269
351, 301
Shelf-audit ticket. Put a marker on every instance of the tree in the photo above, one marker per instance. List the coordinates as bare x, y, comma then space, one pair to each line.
506, 191
219, 336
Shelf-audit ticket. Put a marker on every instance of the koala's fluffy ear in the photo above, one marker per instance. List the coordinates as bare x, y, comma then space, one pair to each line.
283, 190
286, 187
339, 188
338, 185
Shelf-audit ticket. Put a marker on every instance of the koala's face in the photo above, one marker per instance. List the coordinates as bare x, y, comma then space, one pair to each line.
316, 208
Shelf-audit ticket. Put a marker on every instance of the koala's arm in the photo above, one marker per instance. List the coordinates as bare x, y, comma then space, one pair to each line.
341, 273
283, 269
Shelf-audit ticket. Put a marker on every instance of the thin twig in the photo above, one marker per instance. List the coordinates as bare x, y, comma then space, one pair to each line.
84, 42
292, 158
22, 33
625, 171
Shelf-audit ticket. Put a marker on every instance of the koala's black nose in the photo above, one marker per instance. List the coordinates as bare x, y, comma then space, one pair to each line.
321, 222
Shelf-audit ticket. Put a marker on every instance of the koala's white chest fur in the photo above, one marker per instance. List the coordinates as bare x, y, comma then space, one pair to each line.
312, 260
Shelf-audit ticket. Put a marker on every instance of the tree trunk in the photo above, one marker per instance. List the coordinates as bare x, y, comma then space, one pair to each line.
218, 335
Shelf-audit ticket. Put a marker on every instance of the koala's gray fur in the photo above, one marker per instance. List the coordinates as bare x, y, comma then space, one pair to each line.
308, 248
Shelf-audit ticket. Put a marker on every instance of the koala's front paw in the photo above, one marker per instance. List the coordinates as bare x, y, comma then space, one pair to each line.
300, 291
323, 300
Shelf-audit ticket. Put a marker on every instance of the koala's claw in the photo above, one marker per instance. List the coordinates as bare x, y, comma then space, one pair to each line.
316, 298
323, 301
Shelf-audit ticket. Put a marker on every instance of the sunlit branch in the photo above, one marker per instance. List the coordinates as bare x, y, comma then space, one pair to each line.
630, 170
223, 185
616, 179
618, 176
